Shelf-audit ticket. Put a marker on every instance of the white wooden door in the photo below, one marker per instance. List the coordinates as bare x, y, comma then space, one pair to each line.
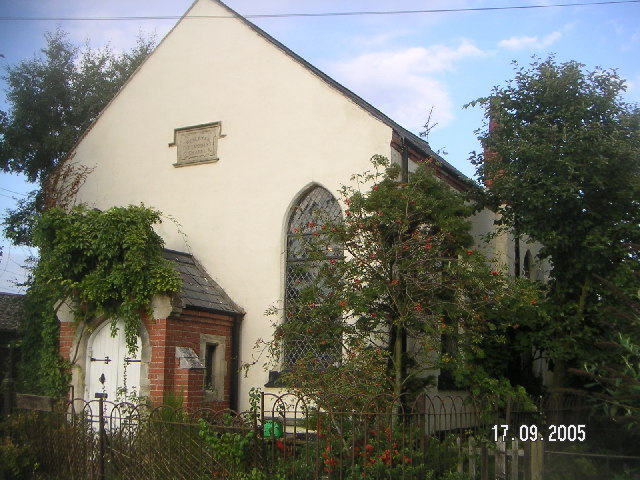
107, 355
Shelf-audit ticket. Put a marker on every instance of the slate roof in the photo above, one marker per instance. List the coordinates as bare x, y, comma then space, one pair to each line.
11, 311
199, 290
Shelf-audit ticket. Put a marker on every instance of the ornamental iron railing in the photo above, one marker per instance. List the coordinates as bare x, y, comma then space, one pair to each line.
297, 437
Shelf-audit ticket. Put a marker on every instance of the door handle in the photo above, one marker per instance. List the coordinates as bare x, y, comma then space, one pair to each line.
106, 359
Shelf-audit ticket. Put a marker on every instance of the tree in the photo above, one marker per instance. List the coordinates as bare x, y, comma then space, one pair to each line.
410, 295
53, 99
562, 165
617, 378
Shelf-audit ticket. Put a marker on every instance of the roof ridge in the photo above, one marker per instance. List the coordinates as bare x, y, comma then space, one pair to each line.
417, 142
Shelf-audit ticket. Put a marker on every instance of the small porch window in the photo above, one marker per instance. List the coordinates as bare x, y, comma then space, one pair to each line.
209, 363
213, 357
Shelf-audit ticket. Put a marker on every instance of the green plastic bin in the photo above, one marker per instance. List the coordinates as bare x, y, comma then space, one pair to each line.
272, 429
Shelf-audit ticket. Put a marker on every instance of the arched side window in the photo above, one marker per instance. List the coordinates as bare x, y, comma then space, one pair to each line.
315, 207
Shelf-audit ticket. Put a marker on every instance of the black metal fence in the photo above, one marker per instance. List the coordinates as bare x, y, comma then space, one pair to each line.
282, 437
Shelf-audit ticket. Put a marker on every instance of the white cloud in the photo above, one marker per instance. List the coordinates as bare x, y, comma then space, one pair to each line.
633, 88
405, 83
532, 43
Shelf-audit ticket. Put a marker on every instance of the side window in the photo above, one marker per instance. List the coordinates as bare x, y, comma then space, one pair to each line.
213, 357
209, 363
315, 207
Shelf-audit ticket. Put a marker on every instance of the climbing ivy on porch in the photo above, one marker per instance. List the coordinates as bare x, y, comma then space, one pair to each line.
105, 264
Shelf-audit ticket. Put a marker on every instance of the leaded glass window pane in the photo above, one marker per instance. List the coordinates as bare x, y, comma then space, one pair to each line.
316, 208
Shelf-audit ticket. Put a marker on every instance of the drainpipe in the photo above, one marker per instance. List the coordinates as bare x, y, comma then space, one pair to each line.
516, 248
405, 161
235, 363
402, 332
516, 254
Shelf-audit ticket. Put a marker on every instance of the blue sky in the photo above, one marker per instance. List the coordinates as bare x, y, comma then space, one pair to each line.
404, 64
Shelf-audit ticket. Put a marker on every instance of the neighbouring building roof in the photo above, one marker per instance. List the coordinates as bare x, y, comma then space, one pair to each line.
199, 290
11, 311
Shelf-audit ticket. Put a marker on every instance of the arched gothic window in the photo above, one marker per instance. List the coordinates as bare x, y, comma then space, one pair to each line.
315, 207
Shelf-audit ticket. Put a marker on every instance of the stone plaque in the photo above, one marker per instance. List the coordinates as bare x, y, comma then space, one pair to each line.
198, 144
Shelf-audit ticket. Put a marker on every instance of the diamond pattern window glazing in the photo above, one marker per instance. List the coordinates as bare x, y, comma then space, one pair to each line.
315, 208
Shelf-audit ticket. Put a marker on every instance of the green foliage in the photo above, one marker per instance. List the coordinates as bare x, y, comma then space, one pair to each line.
16, 460
103, 264
42, 371
622, 384
18, 222
618, 382
409, 272
380, 449
53, 99
24, 445
582, 463
232, 449
562, 165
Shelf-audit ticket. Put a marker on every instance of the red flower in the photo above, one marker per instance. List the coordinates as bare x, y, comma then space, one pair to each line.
311, 224
375, 187
469, 252
494, 273
428, 246
368, 447
418, 307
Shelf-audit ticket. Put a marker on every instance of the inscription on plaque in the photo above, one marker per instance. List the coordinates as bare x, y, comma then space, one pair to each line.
197, 144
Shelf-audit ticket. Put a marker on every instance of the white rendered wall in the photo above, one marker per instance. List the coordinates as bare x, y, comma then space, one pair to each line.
284, 129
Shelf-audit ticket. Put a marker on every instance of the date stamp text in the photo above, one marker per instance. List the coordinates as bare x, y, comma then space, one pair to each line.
533, 433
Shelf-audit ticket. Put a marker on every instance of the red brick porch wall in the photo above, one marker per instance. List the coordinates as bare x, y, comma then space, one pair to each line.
165, 374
